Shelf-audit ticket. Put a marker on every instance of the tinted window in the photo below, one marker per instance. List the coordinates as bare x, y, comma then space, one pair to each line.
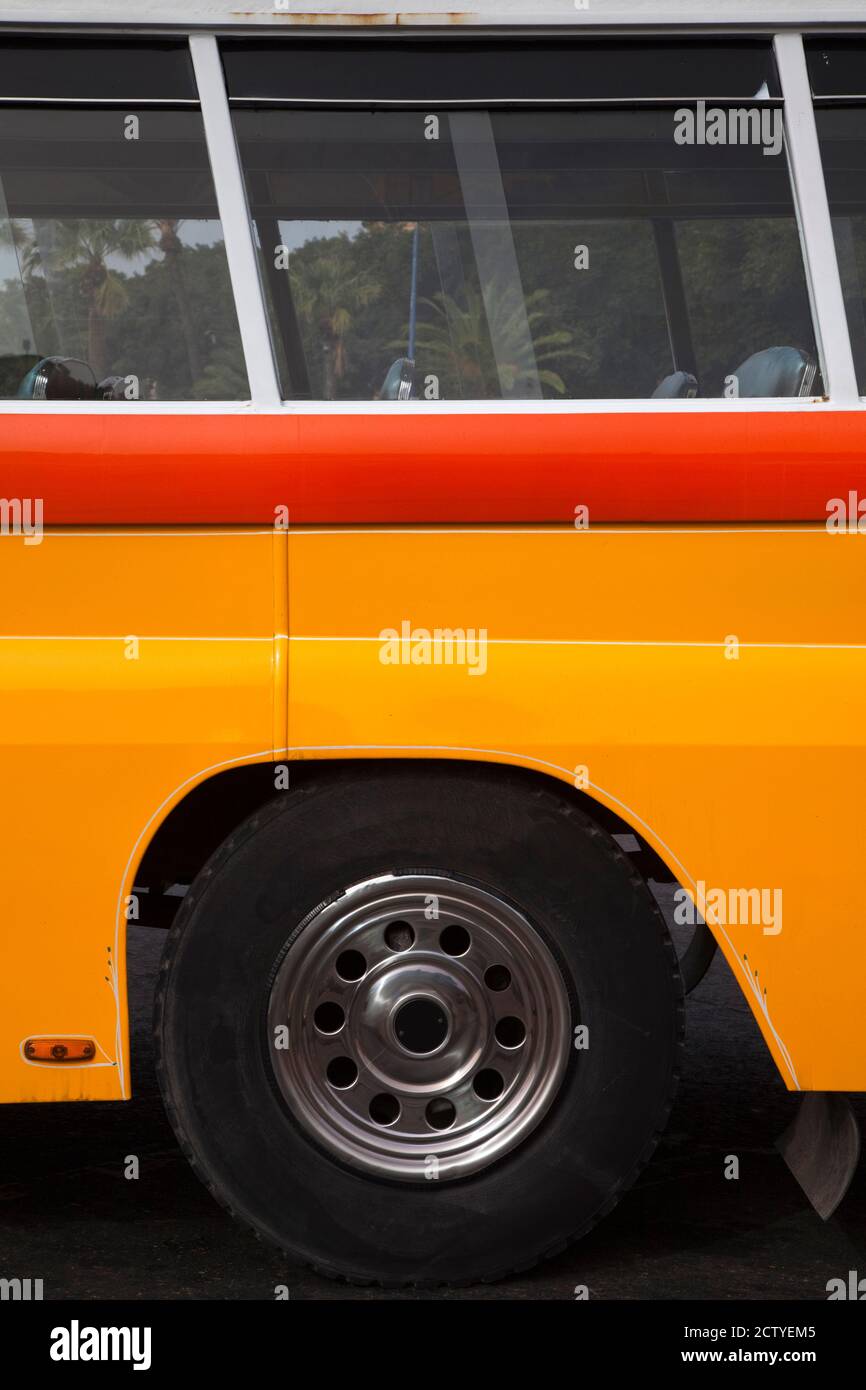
80, 69
568, 254
437, 71
837, 66
111, 252
842, 133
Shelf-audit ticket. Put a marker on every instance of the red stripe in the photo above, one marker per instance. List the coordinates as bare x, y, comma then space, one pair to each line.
671, 466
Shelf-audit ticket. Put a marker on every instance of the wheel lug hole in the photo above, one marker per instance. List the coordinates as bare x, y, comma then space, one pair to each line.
399, 936
329, 1017
497, 978
455, 940
488, 1084
351, 966
510, 1032
440, 1113
342, 1073
384, 1109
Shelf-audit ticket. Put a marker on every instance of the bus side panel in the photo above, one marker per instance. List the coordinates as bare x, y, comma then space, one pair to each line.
708, 684
130, 664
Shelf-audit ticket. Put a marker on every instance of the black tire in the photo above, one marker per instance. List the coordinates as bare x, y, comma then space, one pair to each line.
524, 839
698, 957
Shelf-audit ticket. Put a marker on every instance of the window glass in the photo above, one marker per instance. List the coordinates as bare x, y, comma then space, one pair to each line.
78, 68
557, 254
112, 256
836, 65
436, 71
760, 260
842, 134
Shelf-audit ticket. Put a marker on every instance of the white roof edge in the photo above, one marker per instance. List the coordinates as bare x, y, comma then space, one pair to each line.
283, 15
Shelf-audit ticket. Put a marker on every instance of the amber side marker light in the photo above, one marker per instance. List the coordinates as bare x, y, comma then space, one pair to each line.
59, 1050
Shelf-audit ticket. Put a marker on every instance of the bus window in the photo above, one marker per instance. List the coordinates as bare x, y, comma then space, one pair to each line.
746, 294
842, 133
537, 254
113, 276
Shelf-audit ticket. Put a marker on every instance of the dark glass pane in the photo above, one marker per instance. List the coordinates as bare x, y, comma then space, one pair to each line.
837, 66
438, 71
842, 133
111, 251
521, 255
71, 69
746, 292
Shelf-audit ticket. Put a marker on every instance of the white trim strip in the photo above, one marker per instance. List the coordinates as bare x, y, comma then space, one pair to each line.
136, 636
505, 528
816, 228
489, 641
588, 642
595, 405
510, 529
234, 216
553, 528
63, 533
489, 103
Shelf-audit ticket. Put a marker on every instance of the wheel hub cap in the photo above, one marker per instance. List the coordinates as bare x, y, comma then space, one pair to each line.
428, 1027
422, 1025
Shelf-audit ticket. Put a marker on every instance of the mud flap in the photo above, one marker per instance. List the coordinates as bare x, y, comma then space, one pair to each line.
822, 1148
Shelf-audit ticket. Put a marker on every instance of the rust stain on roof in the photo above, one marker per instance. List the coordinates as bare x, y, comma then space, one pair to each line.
385, 17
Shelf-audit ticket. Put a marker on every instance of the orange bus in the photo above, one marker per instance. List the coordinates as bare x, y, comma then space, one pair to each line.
433, 462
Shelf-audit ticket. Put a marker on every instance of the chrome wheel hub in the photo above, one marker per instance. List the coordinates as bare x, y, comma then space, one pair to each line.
418, 1027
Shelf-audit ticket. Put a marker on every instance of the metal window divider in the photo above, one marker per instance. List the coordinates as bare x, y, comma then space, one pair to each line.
235, 219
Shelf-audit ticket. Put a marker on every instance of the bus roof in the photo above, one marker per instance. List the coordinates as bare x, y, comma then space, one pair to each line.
278, 15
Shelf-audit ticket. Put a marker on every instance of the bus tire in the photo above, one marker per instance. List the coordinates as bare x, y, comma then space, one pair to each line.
551, 931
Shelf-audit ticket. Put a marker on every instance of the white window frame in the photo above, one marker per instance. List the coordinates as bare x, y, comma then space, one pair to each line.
237, 226
829, 317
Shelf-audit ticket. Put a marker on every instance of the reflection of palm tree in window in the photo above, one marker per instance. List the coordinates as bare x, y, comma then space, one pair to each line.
171, 246
328, 294
88, 245
455, 343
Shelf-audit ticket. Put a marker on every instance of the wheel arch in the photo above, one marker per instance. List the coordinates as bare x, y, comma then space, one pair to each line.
196, 823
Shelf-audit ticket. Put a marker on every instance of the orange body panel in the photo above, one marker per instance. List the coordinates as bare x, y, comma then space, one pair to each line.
129, 665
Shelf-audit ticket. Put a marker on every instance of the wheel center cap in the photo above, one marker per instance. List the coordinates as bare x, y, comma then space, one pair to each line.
421, 1025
